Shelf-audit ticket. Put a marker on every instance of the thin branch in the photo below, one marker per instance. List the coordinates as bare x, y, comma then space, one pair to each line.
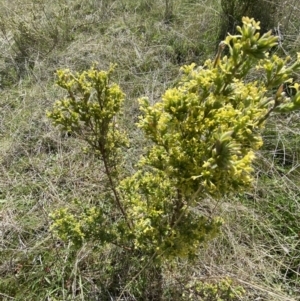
113, 188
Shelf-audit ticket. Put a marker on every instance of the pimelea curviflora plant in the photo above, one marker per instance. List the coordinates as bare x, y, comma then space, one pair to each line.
202, 141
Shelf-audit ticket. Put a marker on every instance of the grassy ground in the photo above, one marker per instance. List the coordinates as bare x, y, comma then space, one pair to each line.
43, 169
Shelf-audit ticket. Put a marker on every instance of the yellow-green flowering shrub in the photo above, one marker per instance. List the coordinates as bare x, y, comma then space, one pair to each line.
203, 134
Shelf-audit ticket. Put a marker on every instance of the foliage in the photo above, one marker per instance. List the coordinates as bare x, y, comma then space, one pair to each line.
89, 111
223, 290
203, 136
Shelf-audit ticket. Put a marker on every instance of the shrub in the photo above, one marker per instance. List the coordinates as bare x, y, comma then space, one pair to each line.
201, 140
